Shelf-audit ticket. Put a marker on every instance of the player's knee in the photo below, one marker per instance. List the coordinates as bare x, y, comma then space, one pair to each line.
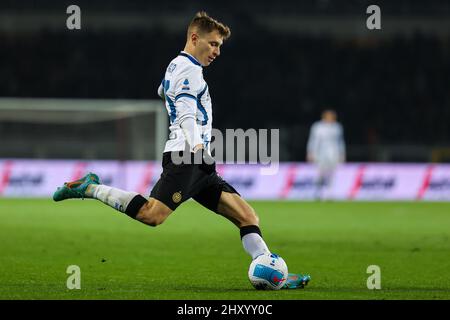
250, 217
150, 216
254, 219
154, 220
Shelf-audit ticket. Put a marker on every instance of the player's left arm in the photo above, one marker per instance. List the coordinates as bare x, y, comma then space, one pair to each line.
311, 146
187, 84
161, 91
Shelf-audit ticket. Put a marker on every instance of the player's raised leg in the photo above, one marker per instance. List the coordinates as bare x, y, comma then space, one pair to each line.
233, 207
151, 212
238, 211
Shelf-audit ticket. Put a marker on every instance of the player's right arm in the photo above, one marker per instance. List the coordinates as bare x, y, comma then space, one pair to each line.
187, 108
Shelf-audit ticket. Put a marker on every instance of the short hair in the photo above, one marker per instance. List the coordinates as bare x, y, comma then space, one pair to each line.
328, 111
205, 24
333, 112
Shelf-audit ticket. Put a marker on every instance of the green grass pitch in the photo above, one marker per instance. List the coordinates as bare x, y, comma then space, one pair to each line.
196, 254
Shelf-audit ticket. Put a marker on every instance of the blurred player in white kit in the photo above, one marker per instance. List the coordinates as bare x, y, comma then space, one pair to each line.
326, 149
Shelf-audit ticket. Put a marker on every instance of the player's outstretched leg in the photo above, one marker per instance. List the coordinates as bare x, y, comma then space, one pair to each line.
151, 212
238, 211
76, 189
320, 185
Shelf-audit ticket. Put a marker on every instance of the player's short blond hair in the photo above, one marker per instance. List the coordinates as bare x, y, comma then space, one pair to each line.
203, 23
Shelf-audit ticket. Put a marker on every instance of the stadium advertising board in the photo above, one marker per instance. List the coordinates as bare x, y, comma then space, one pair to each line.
293, 181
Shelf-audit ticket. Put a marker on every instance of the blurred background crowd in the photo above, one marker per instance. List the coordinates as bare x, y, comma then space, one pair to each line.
284, 63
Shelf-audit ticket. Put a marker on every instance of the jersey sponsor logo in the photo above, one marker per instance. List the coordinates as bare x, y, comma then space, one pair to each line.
185, 88
176, 197
171, 67
186, 81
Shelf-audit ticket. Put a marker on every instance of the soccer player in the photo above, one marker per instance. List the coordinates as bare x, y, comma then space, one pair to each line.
188, 104
326, 148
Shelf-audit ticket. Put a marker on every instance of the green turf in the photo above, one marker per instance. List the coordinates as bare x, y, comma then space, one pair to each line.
198, 255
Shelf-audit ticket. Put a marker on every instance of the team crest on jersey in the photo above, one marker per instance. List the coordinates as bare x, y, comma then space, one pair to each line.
176, 197
185, 84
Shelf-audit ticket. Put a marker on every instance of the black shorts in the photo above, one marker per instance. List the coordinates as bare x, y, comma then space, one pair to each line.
179, 182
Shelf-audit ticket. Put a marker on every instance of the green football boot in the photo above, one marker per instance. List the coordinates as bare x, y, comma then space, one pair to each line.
296, 281
76, 189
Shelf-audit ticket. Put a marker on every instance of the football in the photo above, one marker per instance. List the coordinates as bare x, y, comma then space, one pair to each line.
268, 272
